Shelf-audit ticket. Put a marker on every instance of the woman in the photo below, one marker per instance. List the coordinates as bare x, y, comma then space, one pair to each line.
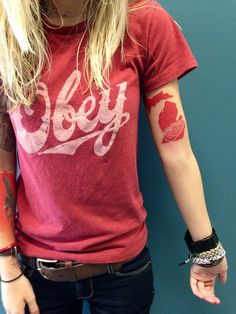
72, 72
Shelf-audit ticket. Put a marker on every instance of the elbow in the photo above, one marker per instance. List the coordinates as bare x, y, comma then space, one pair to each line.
176, 158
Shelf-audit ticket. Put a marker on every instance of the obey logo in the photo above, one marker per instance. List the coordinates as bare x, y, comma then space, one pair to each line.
65, 119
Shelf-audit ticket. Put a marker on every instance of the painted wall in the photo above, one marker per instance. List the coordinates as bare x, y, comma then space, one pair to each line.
209, 98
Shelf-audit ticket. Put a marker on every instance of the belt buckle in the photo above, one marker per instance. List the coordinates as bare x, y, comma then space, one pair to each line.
39, 265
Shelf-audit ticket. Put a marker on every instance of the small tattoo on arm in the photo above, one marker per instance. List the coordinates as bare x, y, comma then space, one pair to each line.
7, 136
10, 201
152, 102
7, 200
172, 127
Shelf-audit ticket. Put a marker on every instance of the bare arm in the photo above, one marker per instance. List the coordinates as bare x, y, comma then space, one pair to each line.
7, 192
7, 180
169, 129
16, 294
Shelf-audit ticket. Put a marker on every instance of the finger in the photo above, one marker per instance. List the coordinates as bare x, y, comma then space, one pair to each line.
222, 277
208, 292
33, 307
196, 292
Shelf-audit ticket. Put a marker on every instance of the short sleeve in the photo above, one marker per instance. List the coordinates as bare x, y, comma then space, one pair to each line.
169, 56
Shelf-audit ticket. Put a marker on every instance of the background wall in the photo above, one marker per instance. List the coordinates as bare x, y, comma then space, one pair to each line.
209, 98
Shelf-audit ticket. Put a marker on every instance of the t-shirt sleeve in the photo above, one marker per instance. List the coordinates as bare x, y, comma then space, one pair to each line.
169, 56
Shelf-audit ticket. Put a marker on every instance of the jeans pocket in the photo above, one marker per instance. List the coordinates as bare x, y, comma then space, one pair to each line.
137, 266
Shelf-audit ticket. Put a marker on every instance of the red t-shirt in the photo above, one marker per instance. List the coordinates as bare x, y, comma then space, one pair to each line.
78, 194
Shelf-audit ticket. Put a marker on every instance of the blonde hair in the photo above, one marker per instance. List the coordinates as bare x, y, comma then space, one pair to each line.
24, 48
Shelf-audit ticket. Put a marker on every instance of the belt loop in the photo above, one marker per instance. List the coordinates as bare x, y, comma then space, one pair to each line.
69, 266
110, 269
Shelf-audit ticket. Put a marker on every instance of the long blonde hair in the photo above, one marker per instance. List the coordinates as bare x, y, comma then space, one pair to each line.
24, 48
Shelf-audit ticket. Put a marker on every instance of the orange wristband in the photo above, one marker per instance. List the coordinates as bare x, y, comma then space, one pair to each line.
7, 247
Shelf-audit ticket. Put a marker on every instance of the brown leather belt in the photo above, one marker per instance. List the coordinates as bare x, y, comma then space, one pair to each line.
69, 270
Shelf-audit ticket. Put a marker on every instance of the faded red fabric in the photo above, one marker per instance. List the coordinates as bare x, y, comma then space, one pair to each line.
78, 193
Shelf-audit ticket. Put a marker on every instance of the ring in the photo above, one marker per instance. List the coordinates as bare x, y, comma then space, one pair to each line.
208, 283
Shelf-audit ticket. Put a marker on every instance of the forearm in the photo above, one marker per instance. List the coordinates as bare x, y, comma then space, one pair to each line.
7, 180
8, 264
186, 184
7, 207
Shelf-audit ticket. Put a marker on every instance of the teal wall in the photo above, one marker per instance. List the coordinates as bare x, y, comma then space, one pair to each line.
209, 98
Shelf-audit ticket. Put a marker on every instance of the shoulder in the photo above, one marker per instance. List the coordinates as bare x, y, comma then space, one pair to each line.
146, 11
147, 15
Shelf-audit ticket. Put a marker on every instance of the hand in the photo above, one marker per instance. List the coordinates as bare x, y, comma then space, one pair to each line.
202, 280
17, 294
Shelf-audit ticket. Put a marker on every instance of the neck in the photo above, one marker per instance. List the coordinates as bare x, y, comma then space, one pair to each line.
68, 6
70, 10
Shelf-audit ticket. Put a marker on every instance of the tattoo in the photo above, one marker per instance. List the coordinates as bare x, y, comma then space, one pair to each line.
172, 127
7, 201
152, 102
10, 201
3, 99
7, 136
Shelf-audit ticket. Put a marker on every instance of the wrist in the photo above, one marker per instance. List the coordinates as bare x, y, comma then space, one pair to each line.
8, 262
209, 258
9, 267
208, 243
198, 235
207, 252
10, 259
7, 248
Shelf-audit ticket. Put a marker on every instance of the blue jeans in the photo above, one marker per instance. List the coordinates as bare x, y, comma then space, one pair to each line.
128, 291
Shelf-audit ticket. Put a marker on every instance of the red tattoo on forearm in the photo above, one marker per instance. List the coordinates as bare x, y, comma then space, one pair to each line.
152, 102
7, 203
172, 127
